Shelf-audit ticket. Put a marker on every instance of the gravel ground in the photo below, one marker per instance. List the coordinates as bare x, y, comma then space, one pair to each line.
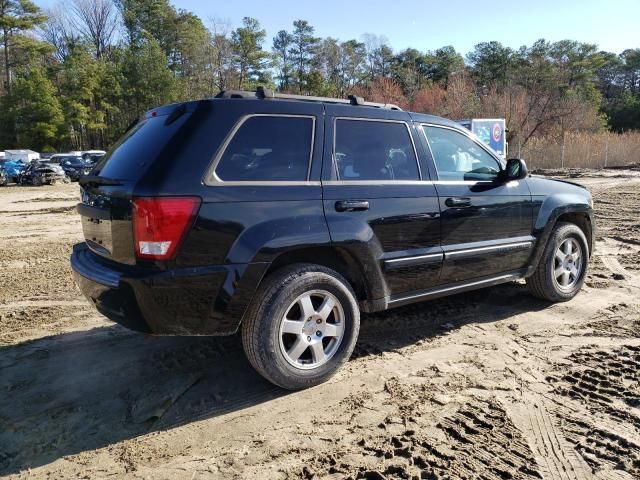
493, 384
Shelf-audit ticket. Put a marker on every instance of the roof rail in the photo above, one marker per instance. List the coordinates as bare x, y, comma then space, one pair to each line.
268, 94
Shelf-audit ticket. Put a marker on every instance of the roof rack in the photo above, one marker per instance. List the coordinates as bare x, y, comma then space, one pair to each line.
262, 93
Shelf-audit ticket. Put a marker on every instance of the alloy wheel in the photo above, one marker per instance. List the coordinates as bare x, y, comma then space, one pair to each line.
568, 264
311, 329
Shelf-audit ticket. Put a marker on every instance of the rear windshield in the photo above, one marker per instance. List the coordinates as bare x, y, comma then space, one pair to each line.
131, 156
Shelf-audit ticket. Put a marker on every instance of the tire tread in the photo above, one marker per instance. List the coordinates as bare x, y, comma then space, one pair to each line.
264, 298
540, 283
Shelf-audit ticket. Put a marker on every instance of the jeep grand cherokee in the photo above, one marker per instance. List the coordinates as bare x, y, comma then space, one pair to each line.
286, 216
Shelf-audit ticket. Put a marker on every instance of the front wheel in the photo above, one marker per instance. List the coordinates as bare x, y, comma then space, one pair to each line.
302, 326
563, 266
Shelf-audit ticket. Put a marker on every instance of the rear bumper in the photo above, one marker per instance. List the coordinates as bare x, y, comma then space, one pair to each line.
187, 301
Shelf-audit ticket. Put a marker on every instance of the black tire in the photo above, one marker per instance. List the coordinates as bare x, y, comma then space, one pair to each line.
261, 335
542, 283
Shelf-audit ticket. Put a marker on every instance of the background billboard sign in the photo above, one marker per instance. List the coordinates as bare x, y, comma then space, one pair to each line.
491, 131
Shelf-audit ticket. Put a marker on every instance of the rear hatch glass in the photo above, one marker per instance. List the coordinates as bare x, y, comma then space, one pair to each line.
131, 155
107, 190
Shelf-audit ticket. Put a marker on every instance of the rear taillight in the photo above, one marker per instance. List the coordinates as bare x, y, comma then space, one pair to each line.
160, 224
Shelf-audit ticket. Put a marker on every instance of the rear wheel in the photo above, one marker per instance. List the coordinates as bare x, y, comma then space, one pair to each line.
302, 326
563, 266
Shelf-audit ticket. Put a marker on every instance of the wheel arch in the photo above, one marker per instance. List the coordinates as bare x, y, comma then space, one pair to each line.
553, 211
583, 221
365, 284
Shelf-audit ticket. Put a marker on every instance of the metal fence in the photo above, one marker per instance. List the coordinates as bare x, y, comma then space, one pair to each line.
580, 150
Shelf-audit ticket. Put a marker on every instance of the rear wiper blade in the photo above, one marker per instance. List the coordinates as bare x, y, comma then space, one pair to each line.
96, 180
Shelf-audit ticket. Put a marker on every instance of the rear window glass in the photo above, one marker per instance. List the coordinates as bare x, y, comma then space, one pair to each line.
374, 150
268, 148
139, 146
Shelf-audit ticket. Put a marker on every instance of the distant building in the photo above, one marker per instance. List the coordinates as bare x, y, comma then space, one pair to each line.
25, 155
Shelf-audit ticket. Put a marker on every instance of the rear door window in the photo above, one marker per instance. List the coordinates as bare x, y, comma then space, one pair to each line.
374, 150
268, 148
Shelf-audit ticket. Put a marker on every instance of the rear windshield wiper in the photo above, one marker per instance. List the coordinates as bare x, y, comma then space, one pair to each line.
96, 180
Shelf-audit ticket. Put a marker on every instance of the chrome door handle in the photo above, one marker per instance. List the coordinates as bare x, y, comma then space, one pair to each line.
458, 202
351, 205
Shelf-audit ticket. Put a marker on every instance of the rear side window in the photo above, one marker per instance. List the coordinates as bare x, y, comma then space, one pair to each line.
374, 150
268, 148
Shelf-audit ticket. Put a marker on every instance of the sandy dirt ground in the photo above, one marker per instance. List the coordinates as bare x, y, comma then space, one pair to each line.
493, 384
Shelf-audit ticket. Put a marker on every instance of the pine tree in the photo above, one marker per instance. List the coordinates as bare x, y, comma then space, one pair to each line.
303, 48
16, 18
147, 82
248, 53
281, 45
35, 111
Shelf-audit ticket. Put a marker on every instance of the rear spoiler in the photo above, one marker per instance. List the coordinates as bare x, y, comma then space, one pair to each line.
95, 180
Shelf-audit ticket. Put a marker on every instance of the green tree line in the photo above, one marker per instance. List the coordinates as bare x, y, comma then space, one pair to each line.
74, 76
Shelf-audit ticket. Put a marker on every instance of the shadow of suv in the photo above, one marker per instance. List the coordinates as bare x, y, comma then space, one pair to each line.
286, 216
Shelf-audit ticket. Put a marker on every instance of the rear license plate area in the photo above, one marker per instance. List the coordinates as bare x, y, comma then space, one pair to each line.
97, 234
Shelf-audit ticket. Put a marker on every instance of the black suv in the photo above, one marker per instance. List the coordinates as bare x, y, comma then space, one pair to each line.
286, 216
75, 167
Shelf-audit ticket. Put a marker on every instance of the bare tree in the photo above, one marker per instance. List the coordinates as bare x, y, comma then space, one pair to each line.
430, 99
383, 90
378, 53
97, 20
59, 31
461, 100
220, 53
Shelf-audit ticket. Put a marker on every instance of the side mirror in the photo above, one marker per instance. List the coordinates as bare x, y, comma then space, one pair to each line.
516, 169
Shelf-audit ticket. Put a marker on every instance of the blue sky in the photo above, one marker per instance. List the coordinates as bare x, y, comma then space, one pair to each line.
430, 24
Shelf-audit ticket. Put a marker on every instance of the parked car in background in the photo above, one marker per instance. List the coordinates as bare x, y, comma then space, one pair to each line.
75, 167
92, 152
3, 177
93, 159
12, 169
58, 157
93, 156
42, 173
